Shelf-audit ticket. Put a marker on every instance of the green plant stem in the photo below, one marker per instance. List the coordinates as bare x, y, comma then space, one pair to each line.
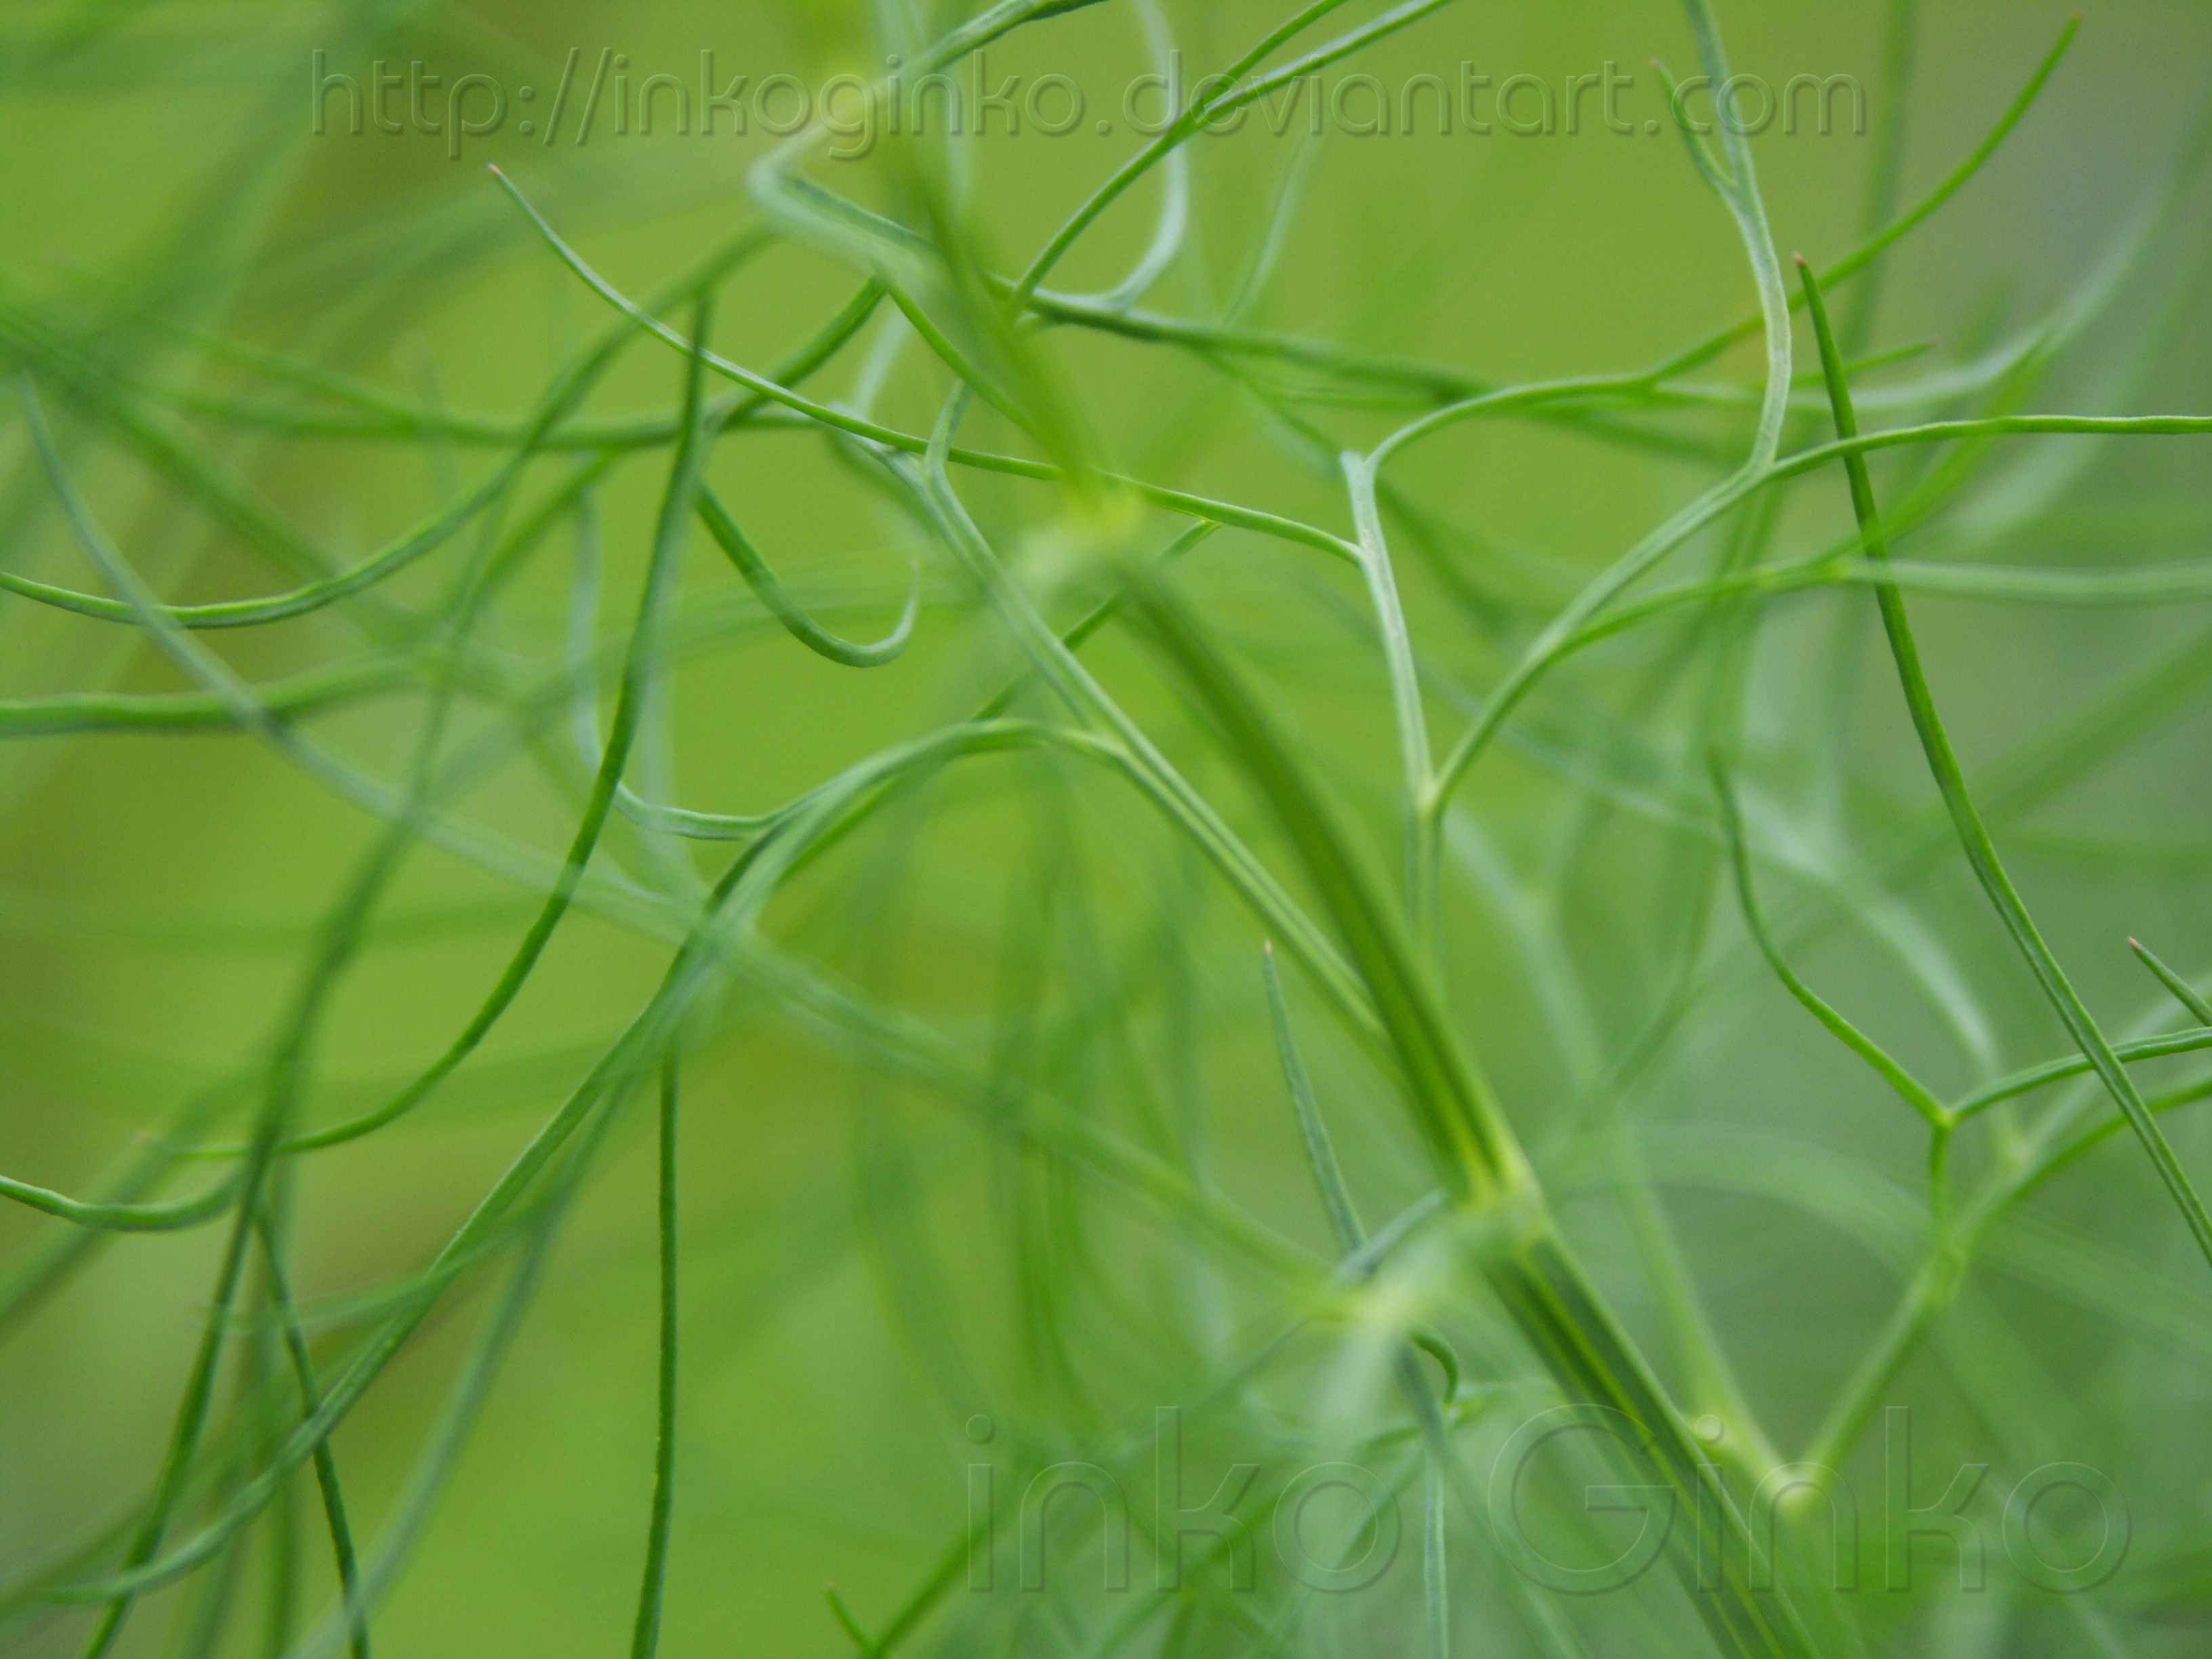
1909, 1088
1531, 1269
325, 1460
645, 1638
1974, 835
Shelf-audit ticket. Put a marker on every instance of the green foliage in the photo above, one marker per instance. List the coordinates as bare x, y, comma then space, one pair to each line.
1106, 1180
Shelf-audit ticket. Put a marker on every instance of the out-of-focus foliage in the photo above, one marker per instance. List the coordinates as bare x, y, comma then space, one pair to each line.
1137, 884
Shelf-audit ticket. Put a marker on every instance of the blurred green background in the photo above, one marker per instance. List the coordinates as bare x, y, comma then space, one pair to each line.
852, 1292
